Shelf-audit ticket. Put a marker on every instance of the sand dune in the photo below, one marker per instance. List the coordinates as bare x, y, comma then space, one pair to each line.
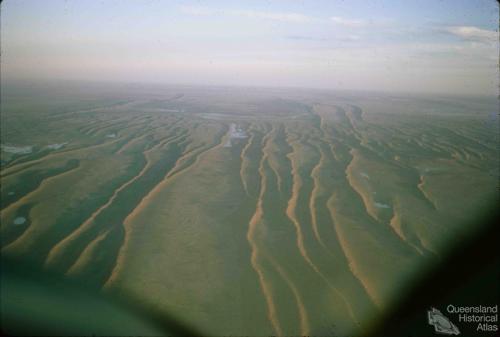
59, 248
7, 212
17, 168
314, 196
396, 223
291, 213
151, 194
4, 212
249, 167
86, 257
303, 316
352, 261
244, 162
290, 210
254, 222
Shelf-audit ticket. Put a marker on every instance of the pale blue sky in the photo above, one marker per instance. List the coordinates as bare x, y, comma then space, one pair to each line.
415, 46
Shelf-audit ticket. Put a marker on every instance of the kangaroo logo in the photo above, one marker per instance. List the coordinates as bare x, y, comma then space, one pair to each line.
442, 325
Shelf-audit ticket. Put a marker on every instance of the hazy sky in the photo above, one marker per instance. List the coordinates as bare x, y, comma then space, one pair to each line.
393, 45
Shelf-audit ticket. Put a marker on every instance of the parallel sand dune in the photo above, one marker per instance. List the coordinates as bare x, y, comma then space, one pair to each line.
291, 213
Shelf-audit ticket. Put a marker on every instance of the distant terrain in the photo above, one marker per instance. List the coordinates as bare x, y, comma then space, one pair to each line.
243, 211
